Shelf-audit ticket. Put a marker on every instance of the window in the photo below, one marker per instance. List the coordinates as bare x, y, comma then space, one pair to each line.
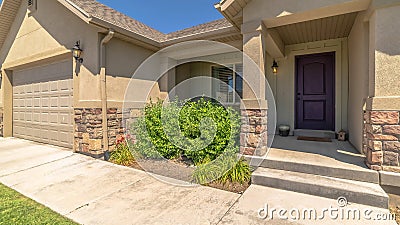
229, 89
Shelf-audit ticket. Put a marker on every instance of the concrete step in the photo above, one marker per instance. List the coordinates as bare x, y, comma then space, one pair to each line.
315, 133
323, 186
350, 173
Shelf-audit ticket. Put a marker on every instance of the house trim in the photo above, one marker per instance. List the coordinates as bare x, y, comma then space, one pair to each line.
37, 59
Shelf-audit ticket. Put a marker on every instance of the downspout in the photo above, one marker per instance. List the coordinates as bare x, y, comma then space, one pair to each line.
103, 87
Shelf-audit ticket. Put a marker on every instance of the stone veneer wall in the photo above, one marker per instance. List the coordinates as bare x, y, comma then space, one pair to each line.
88, 131
382, 140
254, 135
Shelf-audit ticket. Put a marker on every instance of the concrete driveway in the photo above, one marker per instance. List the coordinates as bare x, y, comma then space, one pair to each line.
91, 191
94, 192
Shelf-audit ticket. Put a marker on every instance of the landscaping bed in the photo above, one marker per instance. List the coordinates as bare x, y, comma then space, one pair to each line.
192, 141
17, 209
394, 206
180, 170
168, 169
234, 187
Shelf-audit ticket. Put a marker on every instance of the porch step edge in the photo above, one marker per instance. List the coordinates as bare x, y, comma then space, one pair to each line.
328, 187
369, 176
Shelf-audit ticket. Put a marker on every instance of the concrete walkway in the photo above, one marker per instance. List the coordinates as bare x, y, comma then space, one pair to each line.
95, 192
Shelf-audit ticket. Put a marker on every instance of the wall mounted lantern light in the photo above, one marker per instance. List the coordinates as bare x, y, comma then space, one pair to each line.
77, 52
275, 67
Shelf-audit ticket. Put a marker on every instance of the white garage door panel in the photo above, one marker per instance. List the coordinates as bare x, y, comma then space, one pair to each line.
42, 99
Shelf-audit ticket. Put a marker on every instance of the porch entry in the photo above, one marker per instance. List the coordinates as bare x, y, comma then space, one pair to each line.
315, 91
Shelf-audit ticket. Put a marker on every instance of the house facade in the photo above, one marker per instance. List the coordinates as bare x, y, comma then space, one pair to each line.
338, 70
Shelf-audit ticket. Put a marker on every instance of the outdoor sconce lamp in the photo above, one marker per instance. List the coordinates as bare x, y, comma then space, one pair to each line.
275, 67
77, 52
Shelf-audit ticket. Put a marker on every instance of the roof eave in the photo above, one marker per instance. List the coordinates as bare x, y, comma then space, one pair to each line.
7, 16
205, 35
218, 6
76, 10
147, 42
139, 39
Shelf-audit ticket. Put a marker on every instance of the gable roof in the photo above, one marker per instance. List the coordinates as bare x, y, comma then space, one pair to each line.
104, 13
96, 12
202, 28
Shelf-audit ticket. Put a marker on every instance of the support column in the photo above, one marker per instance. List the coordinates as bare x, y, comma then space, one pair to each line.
382, 117
7, 118
254, 136
167, 81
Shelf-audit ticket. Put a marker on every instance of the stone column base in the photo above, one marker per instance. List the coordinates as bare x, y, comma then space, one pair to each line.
254, 136
382, 140
88, 131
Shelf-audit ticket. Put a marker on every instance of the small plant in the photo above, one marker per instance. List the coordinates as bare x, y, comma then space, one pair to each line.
240, 173
122, 155
225, 169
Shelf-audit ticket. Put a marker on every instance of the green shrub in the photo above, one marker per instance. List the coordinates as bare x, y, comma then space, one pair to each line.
122, 155
151, 140
212, 128
201, 130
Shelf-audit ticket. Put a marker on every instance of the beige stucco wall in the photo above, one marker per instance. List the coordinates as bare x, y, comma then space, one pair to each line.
52, 30
385, 43
186, 89
122, 60
262, 9
358, 79
37, 36
283, 84
384, 56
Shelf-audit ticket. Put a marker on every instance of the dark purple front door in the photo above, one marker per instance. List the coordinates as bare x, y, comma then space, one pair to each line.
315, 94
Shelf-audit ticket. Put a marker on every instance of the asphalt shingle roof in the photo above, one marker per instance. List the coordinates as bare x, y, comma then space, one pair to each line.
202, 28
107, 14
110, 15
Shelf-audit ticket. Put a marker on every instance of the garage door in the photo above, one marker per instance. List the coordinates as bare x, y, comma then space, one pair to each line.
42, 104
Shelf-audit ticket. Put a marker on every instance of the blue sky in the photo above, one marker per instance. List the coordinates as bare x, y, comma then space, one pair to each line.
167, 15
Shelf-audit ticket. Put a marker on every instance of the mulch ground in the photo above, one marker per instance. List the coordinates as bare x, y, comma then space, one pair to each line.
231, 187
394, 206
182, 171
